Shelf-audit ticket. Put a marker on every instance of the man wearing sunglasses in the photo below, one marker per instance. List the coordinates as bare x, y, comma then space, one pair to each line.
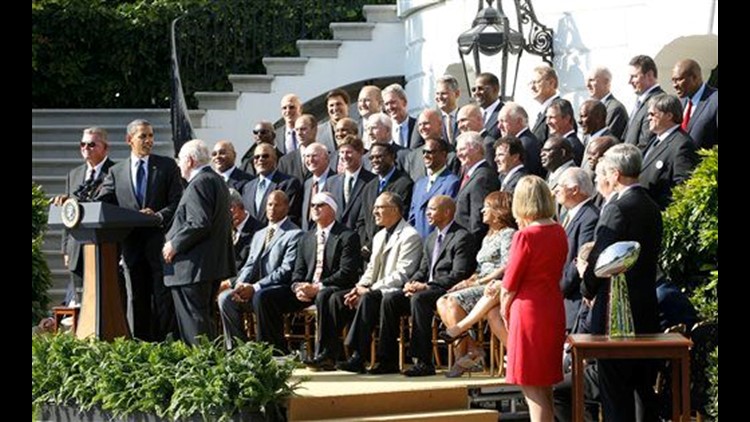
83, 182
262, 134
255, 194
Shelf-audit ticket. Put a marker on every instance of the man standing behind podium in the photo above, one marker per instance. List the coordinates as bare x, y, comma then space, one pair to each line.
151, 184
82, 182
199, 244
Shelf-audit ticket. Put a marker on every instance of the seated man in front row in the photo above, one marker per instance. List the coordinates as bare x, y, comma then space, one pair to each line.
448, 256
267, 270
397, 252
328, 261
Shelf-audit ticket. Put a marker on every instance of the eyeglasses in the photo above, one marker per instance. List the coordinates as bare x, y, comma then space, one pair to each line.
263, 156
260, 131
89, 145
317, 205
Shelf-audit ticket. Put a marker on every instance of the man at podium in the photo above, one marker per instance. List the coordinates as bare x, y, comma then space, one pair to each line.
199, 243
151, 184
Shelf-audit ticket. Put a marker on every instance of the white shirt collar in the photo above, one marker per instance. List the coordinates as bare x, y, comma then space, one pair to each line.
667, 132
573, 211
97, 169
474, 167
194, 172
227, 173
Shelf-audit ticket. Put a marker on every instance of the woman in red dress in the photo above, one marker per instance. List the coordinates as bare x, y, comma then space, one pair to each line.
531, 303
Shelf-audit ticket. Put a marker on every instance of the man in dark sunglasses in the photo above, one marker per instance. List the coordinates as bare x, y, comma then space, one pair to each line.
262, 134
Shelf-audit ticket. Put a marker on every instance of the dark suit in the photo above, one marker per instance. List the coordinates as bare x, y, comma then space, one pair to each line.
413, 137
293, 165
201, 235
456, 261
306, 222
491, 127
246, 164
150, 309
577, 145
271, 268
242, 247
617, 116
580, 229
632, 216
703, 127
399, 183
637, 132
532, 147
341, 266
470, 201
666, 165
279, 181
445, 184
238, 179
510, 184
73, 182
348, 212
540, 129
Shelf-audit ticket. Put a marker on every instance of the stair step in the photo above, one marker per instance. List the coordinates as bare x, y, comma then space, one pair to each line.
352, 31
118, 149
380, 13
376, 403
251, 83
217, 100
466, 415
73, 133
52, 185
86, 117
285, 65
54, 258
53, 166
319, 48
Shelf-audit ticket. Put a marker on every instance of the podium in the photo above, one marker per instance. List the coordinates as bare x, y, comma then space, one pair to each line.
100, 226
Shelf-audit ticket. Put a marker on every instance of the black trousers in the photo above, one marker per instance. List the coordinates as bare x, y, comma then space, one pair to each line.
365, 319
150, 306
195, 307
627, 390
421, 306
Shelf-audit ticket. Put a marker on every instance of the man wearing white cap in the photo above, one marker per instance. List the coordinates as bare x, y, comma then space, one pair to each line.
328, 260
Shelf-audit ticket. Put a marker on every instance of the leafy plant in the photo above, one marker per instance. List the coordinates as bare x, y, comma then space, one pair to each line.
170, 380
40, 273
713, 377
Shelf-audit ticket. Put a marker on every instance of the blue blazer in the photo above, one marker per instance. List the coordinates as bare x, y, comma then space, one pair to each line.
446, 184
579, 231
704, 124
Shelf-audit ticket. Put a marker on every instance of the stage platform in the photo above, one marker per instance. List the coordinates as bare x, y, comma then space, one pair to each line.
343, 396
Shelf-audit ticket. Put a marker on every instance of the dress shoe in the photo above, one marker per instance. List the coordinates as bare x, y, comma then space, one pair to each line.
353, 364
443, 335
383, 368
321, 363
420, 369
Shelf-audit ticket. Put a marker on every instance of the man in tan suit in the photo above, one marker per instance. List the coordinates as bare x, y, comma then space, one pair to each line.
397, 252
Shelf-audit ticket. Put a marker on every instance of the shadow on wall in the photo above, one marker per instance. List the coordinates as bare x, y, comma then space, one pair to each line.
702, 48
571, 57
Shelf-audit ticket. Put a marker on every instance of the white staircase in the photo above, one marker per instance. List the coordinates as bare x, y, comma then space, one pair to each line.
55, 135
358, 51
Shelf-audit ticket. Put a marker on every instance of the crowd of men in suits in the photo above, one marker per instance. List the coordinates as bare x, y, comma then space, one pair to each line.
375, 219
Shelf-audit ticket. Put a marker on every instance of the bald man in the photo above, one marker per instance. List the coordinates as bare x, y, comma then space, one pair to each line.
599, 83
700, 104
223, 158
291, 109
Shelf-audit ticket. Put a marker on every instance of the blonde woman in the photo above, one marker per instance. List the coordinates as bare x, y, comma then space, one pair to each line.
531, 303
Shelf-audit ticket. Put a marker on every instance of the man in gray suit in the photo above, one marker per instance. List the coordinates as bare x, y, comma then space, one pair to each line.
337, 105
269, 266
83, 182
199, 244
397, 252
599, 83
151, 184
291, 109
643, 76
700, 102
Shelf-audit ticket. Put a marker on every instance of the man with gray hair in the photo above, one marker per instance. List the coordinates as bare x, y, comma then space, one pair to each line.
670, 157
199, 244
402, 132
150, 184
447, 93
631, 216
599, 84
478, 179
543, 87
514, 121
83, 183
574, 192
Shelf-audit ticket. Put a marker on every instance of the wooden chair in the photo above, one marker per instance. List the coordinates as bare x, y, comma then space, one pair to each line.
303, 321
61, 312
405, 323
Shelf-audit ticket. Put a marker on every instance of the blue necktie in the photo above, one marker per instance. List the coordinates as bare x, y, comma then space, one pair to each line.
381, 185
260, 191
405, 134
140, 183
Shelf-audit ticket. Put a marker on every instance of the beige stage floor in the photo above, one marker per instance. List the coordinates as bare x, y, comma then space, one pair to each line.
339, 383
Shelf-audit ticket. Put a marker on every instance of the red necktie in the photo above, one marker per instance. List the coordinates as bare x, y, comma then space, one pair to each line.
464, 180
686, 119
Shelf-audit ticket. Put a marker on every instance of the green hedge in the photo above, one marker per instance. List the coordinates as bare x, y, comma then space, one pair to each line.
170, 380
107, 53
40, 274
